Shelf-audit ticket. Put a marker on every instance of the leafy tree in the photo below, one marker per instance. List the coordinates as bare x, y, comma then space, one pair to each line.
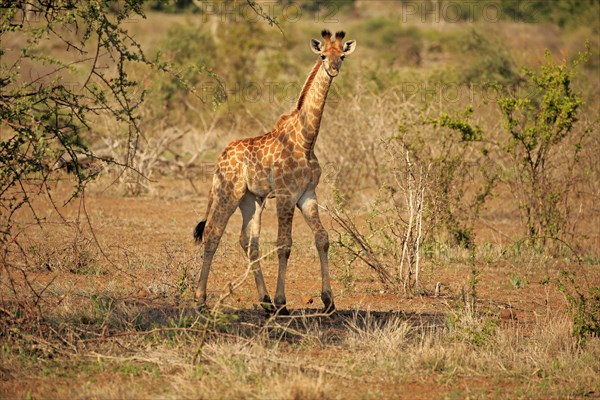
49, 97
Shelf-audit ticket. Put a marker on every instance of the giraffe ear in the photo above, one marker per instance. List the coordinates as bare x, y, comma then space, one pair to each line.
315, 46
349, 47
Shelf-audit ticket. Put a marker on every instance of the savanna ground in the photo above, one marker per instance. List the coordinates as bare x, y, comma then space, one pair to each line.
96, 294
129, 329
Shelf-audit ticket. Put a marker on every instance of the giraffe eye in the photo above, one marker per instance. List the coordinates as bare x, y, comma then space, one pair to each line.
323, 56
342, 58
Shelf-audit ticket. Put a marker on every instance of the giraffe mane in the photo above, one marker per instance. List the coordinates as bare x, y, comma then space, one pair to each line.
279, 124
308, 84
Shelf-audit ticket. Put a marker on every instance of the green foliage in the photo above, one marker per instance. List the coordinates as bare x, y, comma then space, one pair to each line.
485, 61
585, 309
327, 8
184, 320
460, 124
175, 6
403, 45
44, 116
238, 60
518, 282
192, 54
453, 171
535, 126
102, 307
464, 321
561, 12
472, 283
478, 332
234, 79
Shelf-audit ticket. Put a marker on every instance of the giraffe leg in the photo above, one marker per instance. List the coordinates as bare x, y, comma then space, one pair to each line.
251, 208
214, 229
310, 210
285, 216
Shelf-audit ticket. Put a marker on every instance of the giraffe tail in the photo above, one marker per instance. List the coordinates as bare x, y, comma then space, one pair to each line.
199, 230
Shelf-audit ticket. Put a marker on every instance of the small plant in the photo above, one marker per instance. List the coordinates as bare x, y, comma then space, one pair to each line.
477, 331
130, 369
464, 321
585, 309
470, 297
102, 307
518, 282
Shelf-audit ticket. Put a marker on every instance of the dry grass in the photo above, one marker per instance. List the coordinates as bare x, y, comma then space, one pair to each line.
305, 357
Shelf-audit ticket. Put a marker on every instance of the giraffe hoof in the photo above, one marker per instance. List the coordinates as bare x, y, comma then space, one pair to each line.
327, 298
282, 311
328, 309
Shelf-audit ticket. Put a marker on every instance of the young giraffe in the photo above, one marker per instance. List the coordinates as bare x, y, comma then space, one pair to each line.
280, 164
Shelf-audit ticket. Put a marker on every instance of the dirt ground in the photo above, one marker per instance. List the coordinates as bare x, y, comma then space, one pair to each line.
148, 230
147, 261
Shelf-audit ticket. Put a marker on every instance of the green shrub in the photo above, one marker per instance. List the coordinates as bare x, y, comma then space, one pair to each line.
192, 51
403, 45
564, 13
485, 61
536, 123
585, 309
454, 172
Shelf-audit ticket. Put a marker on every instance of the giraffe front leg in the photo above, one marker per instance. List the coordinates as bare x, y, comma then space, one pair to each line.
310, 210
285, 216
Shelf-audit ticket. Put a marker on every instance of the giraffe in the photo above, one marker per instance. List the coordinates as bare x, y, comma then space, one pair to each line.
280, 164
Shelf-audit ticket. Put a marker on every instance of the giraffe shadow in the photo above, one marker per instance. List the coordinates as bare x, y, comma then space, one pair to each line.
301, 325
313, 324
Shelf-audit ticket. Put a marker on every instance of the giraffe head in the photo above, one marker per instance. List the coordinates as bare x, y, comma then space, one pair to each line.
332, 51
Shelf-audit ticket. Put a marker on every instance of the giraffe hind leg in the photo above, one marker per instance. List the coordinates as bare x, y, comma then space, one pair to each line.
251, 207
310, 210
212, 233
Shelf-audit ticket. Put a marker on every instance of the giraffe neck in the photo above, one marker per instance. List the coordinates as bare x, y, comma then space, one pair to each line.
311, 103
